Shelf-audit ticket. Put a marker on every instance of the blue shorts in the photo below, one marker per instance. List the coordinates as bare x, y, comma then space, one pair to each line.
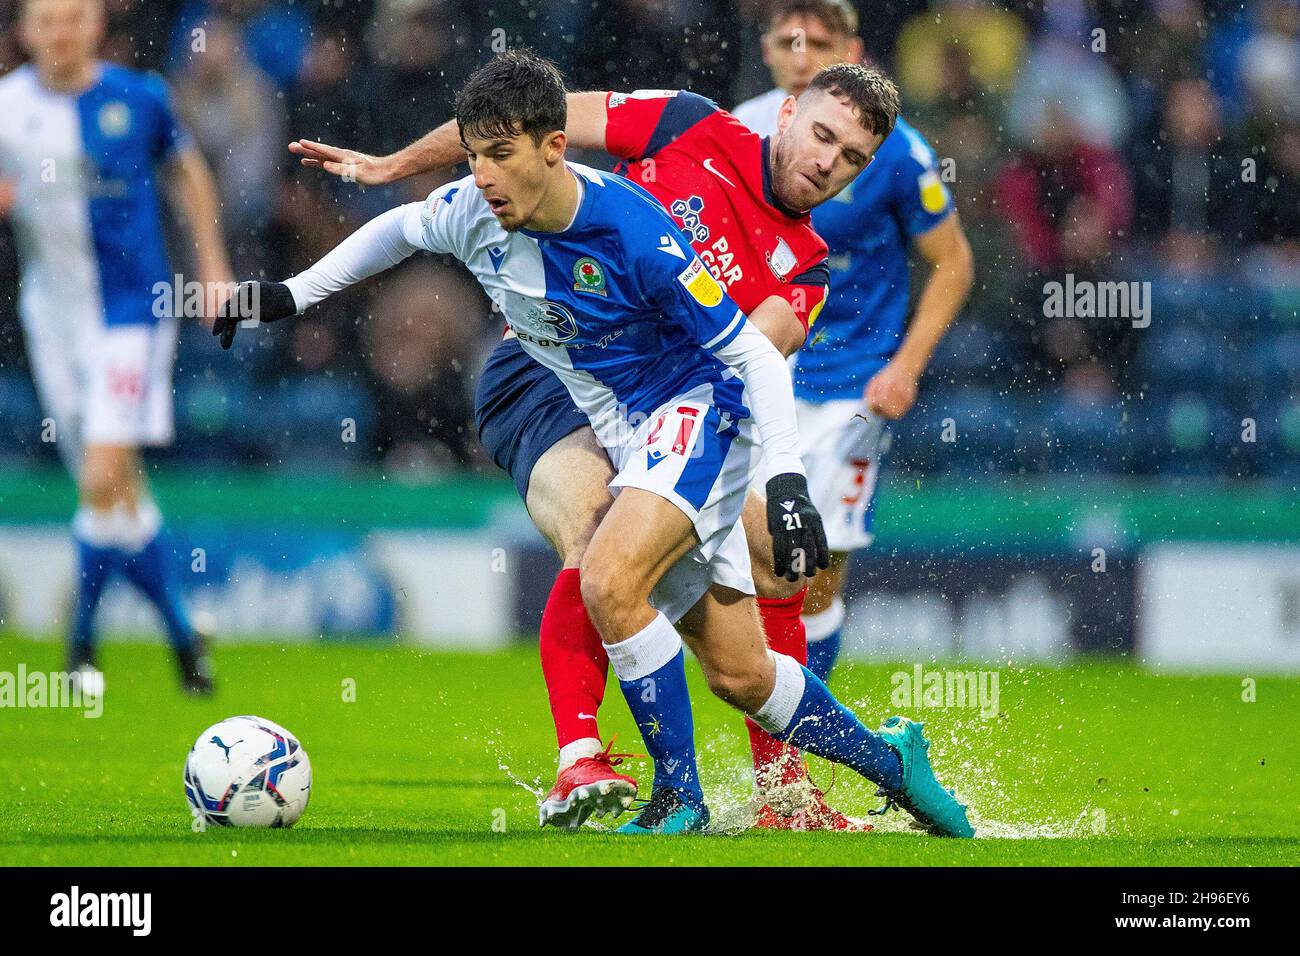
521, 409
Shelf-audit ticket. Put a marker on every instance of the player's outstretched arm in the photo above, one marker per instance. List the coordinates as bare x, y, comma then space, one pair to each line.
777, 320
252, 301
378, 245
349, 164
892, 391
193, 192
440, 148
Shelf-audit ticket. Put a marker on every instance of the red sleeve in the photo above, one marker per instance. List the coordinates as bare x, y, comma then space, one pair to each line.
807, 293
640, 124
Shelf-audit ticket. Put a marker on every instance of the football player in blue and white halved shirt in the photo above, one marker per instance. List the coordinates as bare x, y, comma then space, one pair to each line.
863, 367
681, 389
83, 147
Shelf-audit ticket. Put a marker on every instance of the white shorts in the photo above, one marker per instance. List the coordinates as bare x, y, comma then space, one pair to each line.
842, 444
702, 461
105, 385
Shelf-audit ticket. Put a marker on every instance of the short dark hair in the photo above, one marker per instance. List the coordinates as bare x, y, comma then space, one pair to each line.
838, 16
873, 94
516, 92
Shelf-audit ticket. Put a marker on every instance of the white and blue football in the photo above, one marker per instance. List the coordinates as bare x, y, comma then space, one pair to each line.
247, 772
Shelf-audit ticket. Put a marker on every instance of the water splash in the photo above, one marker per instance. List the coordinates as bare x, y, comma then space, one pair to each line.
493, 742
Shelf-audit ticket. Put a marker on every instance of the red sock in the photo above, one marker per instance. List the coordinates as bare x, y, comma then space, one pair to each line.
783, 623
574, 663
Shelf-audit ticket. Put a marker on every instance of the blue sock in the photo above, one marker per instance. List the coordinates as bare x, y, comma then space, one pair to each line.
151, 570
824, 630
94, 566
803, 712
823, 653
651, 668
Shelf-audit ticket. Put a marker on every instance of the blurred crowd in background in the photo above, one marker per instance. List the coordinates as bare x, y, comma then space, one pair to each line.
1111, 140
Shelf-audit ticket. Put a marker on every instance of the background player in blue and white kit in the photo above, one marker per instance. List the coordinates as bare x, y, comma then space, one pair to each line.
679, 386
864, 365
84, 146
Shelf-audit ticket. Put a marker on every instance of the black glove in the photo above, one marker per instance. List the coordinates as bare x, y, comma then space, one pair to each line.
798, 538
264, 301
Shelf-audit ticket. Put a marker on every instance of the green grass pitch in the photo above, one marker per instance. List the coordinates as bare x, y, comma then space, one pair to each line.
439, 758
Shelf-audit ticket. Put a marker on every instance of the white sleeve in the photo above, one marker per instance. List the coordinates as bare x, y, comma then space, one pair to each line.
380, 244
770, 395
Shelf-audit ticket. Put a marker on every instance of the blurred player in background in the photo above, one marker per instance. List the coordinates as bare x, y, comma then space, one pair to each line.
82, 146
863, 367
741, 202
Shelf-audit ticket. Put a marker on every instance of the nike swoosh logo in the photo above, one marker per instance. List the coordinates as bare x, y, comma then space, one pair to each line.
708, 164
586, 716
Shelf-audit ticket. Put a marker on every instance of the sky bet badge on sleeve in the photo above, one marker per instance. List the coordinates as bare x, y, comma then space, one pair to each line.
436, 200
703, 288
933, 194
816, 311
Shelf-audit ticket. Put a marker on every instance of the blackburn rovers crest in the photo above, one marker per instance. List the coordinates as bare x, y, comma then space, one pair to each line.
588, 276
114, 119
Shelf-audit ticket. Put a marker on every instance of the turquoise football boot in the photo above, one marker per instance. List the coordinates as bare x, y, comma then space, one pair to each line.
666, 813
921, 795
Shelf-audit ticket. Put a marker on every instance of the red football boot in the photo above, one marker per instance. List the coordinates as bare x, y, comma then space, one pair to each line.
588, 786
802, 806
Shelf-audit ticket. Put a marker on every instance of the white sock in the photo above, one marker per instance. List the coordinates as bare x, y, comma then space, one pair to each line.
138, 526
95, 528
575, 750
645, 651
775, 715
823, 624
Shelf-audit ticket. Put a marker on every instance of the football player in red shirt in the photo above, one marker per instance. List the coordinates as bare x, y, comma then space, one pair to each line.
742, 201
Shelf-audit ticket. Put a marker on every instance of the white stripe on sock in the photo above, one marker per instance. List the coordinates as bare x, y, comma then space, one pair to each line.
575, 750
775, 715
645, 651
823, 624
